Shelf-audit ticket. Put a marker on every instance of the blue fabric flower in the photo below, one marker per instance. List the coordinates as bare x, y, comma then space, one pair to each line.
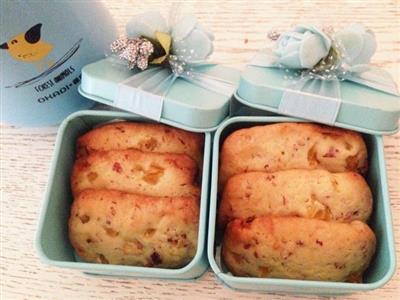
302, 48
358, 44
190, 41
146, 25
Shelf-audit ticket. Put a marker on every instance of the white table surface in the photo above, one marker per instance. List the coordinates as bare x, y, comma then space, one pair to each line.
240, 28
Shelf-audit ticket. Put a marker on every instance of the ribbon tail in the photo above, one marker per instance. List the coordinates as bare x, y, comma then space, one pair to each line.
313, 99
200, 63
264, 58
375, 78
209, 82
140, 77
153, 84
163, 88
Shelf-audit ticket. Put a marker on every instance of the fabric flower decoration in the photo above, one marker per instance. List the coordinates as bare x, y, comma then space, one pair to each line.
191, 42
186, 39
146, 25
151, 26
302, 48
358, 44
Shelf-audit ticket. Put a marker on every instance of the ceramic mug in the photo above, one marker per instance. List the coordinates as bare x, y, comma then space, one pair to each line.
43, 46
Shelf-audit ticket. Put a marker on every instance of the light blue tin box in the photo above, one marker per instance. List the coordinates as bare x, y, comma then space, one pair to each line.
52, 240
383, 264
361, 109
186, 105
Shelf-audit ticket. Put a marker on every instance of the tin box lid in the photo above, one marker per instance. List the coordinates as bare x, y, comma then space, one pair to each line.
186, 105
362, 108
43, 48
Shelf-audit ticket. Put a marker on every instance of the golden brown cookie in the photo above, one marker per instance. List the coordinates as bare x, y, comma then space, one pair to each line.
137, 172
147, 137
284, 146
298, 248
306, 193
112, 227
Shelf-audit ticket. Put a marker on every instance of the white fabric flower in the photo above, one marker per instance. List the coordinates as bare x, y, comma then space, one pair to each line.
190, 41
302, 48
146, 25
358, 43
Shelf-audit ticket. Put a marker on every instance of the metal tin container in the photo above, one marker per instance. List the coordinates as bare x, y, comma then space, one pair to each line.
382, 266
52, 242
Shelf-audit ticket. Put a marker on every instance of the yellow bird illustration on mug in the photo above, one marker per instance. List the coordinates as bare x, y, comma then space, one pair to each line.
29, 47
